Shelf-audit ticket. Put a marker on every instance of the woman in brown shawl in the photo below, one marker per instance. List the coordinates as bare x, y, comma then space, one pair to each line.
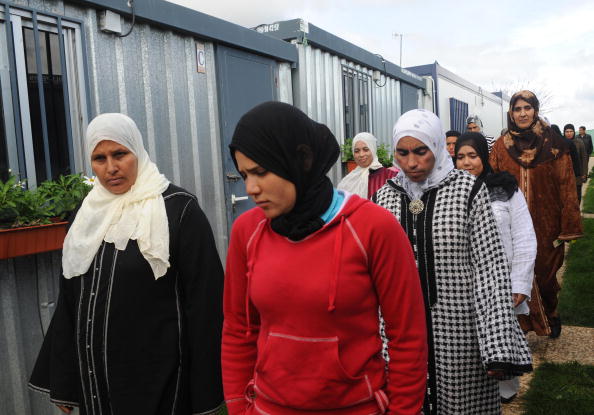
540, 161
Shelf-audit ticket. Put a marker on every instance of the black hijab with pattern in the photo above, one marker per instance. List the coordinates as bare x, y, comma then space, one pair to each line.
285, 141
502, 185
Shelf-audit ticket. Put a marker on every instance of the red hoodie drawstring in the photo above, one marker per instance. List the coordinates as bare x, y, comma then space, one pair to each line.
337, 261
248, 275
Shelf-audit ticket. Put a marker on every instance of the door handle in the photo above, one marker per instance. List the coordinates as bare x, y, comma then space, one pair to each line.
235, 199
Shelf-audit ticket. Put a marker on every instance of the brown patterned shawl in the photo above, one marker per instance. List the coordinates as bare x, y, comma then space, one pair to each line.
536, 144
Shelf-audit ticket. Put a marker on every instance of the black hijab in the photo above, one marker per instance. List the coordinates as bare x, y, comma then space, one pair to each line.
503, 185
285, 141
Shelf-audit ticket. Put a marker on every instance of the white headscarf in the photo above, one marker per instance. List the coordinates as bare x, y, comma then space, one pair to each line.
138, 214
425, 127
357, 181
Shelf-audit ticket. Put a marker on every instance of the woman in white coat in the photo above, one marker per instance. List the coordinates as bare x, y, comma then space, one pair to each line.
513, 221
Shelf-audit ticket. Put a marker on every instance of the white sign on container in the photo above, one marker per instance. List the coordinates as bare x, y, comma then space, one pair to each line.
200, 58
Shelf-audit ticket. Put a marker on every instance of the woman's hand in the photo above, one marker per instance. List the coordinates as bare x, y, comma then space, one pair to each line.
64, 408
518, 299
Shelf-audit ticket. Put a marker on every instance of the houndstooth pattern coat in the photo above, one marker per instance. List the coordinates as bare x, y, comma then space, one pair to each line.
467, 291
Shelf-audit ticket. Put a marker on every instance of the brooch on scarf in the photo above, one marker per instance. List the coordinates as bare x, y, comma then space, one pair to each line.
416, 206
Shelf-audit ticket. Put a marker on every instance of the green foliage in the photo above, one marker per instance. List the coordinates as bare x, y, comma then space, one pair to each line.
10, 194
346, 150
52, 199
383, 153
575, 300
566, 388
65, 193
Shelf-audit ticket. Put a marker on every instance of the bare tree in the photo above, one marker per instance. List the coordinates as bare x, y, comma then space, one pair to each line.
542, 92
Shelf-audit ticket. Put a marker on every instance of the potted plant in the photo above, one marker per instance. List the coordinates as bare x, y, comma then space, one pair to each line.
346, 151
32, 221
384, 155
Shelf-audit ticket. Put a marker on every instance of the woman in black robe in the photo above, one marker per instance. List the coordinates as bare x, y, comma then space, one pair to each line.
137, 327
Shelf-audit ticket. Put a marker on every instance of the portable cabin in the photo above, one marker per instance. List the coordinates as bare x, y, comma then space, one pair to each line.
456, 98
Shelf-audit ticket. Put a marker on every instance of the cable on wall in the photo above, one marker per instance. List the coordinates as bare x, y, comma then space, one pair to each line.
131, 5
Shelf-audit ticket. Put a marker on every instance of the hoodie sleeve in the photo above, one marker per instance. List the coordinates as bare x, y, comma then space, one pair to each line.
394, 272
239, 348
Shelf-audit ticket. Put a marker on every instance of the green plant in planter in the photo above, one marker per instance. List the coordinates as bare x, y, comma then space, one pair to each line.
64, 193
346, 150
33, 209
10, 195
51, 200
384, 155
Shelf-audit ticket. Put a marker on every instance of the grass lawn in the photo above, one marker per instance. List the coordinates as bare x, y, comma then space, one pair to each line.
565, 389
576, 301
588, 202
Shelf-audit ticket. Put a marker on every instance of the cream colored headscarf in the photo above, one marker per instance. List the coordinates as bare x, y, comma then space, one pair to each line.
139, 214
426, 127
357, 181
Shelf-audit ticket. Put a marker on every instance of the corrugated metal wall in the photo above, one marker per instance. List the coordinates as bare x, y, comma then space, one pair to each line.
318, 91
151, 76
386, 108
28, 294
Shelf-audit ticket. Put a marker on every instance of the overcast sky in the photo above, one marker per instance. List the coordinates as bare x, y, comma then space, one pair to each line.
547, 46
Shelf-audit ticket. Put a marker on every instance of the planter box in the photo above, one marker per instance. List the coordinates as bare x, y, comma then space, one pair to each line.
31, 239
351, 165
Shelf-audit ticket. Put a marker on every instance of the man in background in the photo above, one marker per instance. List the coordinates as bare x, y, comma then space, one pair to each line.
587, 139
475, 125
451, 138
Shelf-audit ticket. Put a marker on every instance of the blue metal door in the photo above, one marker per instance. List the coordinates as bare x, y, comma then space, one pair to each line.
458, 115
244, 81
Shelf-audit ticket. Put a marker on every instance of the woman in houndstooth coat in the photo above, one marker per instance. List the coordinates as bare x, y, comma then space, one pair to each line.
474, 337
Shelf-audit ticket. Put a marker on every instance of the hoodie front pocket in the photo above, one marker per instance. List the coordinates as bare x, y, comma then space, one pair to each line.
306, 373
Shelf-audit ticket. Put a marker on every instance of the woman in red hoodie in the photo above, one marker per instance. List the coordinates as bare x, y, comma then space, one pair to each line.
307, 271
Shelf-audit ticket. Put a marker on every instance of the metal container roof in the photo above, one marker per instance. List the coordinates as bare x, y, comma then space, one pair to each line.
304, 32
189, 21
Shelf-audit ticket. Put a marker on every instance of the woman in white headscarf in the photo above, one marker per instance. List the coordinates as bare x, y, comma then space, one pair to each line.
474, 337
369, 175
138, 319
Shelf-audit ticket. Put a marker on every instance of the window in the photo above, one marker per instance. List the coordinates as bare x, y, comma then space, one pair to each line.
356, 91
44, 54
458, 114
52, 108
